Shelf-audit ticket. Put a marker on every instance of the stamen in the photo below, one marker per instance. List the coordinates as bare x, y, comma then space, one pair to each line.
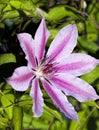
46, 68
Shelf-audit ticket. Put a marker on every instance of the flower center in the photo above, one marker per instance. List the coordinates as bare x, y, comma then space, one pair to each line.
46, 68
39, 72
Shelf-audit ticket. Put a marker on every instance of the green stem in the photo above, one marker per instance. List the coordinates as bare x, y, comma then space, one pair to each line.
17, 118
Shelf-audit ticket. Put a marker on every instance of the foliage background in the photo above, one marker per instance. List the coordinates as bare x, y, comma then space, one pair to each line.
20, 16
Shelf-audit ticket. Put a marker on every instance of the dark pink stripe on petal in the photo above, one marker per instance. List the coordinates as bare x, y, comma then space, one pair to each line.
41, 38
21, 78
75, 87
60, 47
72, 66
77, 64
36, 95
60, 100
28, 46
64, 43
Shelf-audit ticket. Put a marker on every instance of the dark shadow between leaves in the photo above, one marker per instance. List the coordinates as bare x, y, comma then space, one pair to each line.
6, 70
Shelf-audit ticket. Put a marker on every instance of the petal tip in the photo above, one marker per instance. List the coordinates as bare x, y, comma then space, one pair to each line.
23, 35
97, 61
40, 12
19, 34
75, 29
97, 97
76, 118
94, 98
36, 115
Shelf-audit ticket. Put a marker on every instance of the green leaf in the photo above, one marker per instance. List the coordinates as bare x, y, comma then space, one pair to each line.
7, 101
25, 100
60, 12
75, 124
84, 121
7, 88
2, 25
2, 6
91, 103
15, 4
53, 32
92, 77
7, 58
88, 44
57, 13
25, 5
53, 113
91, 28
7, 8
17, 117
36, 123
4, 121
92, 36
4, 1
10, 14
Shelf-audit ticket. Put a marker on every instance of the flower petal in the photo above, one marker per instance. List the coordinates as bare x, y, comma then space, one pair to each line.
75, 87
41, 37
40, 12
64, 42
21, 78
60, 100
77, 64
28, 46
36, 95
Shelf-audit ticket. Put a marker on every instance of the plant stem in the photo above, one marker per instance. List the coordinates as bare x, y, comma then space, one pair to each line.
17, 117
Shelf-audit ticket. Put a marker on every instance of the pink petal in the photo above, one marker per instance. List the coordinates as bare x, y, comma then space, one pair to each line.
77, 64
60, 100
36, 95
64, 42
41, 38
40, 12
75, 87
28, 46
21, 78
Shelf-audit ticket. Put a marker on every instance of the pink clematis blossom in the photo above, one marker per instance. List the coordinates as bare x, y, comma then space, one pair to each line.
57, 69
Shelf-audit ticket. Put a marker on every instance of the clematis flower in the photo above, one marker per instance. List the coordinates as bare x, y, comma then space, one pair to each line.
57, 69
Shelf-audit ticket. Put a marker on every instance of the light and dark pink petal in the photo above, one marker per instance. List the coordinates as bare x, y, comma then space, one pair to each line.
74, 86
64, 43
60, 100
37, 97
41, 37
21, 78
77, 64
40, 12
28, 45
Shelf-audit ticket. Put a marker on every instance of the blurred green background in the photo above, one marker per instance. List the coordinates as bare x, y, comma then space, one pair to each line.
20, 16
